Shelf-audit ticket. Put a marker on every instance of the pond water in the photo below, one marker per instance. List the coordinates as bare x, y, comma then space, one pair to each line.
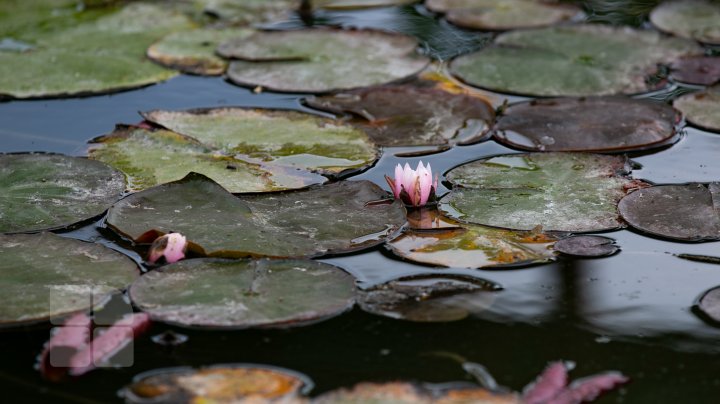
630, 312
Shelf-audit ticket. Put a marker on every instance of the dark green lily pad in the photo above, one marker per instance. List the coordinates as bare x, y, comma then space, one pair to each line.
87, 52
575, 60
702, 108
152, 157
702, 70
429, 298
587, 124
587, 246
558, 191
414, 114
246, 12
321, 60
504, 14
681, 212
356, 4
696, 19
286, 138
709, 304
49, 191
194, 51
244, 293
44, 276
327, 219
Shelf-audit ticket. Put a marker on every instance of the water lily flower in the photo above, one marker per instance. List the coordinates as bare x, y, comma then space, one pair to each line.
413, 187
171, 246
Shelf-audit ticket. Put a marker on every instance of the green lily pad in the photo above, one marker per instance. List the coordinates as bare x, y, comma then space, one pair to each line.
504, 14
194, 51
49, 191
415, 114
152, 157
327, 219
682, 212
44, 276
587, 124
247, 11
355, 4
286, 138
576, 60
244, 293
558, 191
321, 60
702, 108
84, 54
696, 19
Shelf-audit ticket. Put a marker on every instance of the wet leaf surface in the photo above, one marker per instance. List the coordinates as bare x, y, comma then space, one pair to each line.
421, 113
48, 191
587, 246
681, 212
587, 124
44, 276
504, 14
328, 219
701, 70
225, 383
282, 137
432, 298
194, 51
702, 108
577, 60
321, 60
558, 191
244, 293
695, 19
358, 4
152, 157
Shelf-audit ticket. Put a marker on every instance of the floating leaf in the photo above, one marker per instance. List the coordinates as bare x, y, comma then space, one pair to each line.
87, 52
226, 383
709, 304
48, 191
695, 19
247, 11
702, 70
152, 157
356, 4
402, 392
702, 108
587, 124
244, 293
415, 114
283, 137
576, 60
44, 275
429, 298
682, 212
328, 219
194, 51
321, 60
504, 14
558, 191
587, 246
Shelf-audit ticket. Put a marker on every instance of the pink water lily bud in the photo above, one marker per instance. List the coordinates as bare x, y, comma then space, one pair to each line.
413, 187
171, 246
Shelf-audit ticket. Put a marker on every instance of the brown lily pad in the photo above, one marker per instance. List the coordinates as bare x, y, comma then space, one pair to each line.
701, 70
701, 108
586, 246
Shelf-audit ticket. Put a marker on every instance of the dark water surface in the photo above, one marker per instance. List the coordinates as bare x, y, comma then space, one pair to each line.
630, 312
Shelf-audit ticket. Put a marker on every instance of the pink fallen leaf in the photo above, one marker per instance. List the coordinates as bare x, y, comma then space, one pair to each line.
548, 385
589, 388
66, 341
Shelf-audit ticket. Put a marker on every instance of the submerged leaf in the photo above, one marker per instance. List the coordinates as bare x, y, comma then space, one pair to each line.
696, 19
701, 108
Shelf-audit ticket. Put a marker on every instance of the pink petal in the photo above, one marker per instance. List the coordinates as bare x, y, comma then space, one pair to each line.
408, 179
175, 250
548, 385
589, 388
397, 187
425, 175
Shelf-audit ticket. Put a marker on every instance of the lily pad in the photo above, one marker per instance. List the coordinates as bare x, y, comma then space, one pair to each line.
244, 293
412, 393
429, 298
575, 60
224, 383
473, 247
247, 11
321, 60
587, 124
282, 137
49, 191
87, 52
356, 4
558, 191
696, 19
327, 219
504, 14
587, 246
44, 276
194, 51
702, 70
681, 212
414, 114
702, 108
709, 304
152, 157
